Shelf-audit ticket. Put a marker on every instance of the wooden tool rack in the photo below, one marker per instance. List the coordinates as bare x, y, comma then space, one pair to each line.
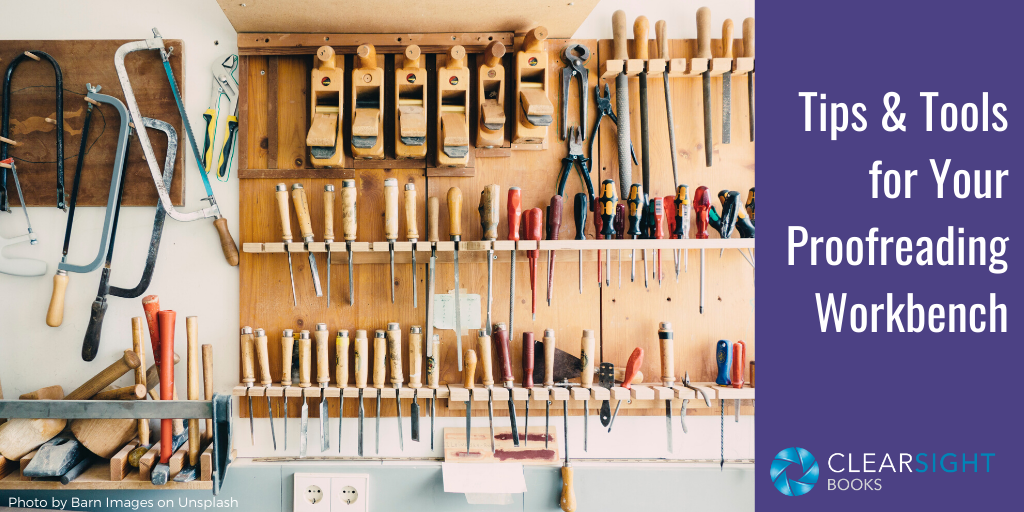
274, 118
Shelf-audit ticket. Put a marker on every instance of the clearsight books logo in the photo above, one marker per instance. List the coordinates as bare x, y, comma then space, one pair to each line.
794, 471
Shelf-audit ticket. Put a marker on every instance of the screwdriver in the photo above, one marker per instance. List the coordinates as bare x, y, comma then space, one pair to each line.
658, 216
488, 210
323, 378
483, 347
554, 224
632, 367
455, 233
723, 356
391, 224
579, 217
248, 375
432, 376
598, 225
549, 376
515, 214
619, 224
281, 192
501, 339
682, 222
287, 345
587, 344
263, 357
668, 375
670, 216
415, 378
328, 232
635, 214
568, 500
380, 350
341, 344
608, 199
468, 373
305, 346
646, 229
362, 355
702, 207
348, 228
394, 341
413, 234
306, 228
739, 361
532, 223
527, 380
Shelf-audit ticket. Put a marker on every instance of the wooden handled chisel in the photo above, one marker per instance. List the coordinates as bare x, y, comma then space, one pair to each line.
432, 379
483, 347
341, 344
380, 350
348, 228
394, 340
287, 346
433, 205
455, 233
281, 193
527, 381
415, 379
328, 232
668, 375
362, 354
515, 213
413, 234
323, 378
488, 210
549, 379
305, 366
505, 357
587, 347
306, 228
248, 376
263, 357
468, 374
391, 224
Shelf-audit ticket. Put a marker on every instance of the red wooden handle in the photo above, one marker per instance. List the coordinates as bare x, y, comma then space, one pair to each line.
555, 216
659, 217
670, 213
151, 305
515, 212
739, 360
702, 205
501, 339
166, 319
528, 360
633, 366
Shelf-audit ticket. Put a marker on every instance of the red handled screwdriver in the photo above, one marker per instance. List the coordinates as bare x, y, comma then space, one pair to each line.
554, 224
532, 224
702, 207
658, 208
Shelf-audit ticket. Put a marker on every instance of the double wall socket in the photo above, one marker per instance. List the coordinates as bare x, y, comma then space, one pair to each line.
329, 492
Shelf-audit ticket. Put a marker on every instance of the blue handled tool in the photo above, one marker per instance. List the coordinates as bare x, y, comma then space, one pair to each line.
723, 355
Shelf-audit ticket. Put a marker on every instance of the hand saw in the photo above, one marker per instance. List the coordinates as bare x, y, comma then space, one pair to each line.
223, 112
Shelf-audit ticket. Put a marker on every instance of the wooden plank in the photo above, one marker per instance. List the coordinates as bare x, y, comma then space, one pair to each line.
289, 174
504, 449
253, 43
273, 101
98, 477
119, 467
292, 110
206, 464
178, 460
89, 61
149, 460
257, 109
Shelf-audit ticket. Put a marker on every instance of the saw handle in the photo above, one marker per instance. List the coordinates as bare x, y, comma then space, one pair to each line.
348, 209
528, 360
227, 244
504, 354
727, 39
619, 36
281, 193
55, 312
568, 501
305, 354
515, 212
488, 210
433, 205
703, 33
394, 340
641, 29
287, 348
415, 357
362, 358
193, 388
323, 368
483, 347
549, 358
380, 350
262, 355
661, 33
633, 367
587, 347
739, 360
668, 374
341, 343
748, 38
247, 346
469, 369
302, 210
328, 212
391, 209
412, 231
455, 213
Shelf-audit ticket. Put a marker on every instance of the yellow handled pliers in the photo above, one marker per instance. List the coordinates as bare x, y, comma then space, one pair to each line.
223, 112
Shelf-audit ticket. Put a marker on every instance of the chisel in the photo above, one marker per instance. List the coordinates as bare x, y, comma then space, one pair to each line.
641, 28
532, 224
306, 228
193, 389
553, 225
341, 344
432, 212
661, 33
263, 356
704, 52
468, 374
723, 357
415, 378
568, 499
362, 355
391, 224
619, 225
739, 361
549, 377
668, 375
394, 340
328, 232
281, 192
587, 346
483, 347
505, 356
455, 233
488, 210
248, 377
432, 376
305, 354
348, 228
380, 350
579, 217
413, 234
287, 345
515, 214
527, 380
607, 200
702, 207
620, 53
635, 216
727, 82
748, 52
323, 378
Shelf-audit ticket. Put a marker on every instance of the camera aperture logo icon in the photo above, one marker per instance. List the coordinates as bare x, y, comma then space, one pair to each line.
794, 471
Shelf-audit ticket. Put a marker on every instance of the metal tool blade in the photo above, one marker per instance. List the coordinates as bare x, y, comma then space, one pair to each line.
431, 263
586, 422
377, 428
623, 133
270, 416
705, 78
341, 418
432, 423
316, 275
736, 405
750, 101
726, 107
325, 437
490, 282
415, 286
615, 414
391, 254
682, 416
469, 416
512, 293
362, 418
668, 423
284, 419
328, 275
490, 415
526, 424
252, 426
458, 311
414, 417
398, 405
291, 275
547, 422
303, 425
351, 288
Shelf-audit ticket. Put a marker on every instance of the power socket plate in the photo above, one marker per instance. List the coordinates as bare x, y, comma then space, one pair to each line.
311, 493
340, 492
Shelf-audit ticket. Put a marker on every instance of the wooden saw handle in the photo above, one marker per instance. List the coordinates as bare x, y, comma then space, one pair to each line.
619, 37
641, 29
55, 312
703, 33
323, 368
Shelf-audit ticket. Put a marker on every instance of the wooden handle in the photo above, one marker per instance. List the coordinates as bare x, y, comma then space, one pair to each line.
380, 351
493, 54
47, 393
504, 354
55, 313
281, 192
325, 54
394, 339
412, 231
362, 354
433, 205
348, 209
151, 306
528, 346
128, 362
247, 341
167, 319
140, 374
415, 357
641, 29
668, 372
367, 56
748, 38
661, 33
456, 57
632, 370
619, 36
207, 350
305, 359
739, 361
533, 38
302, 210
549, 357
262, 355
469, 369
483, 347
489, 211
703, 33
751, 371
727, 39
153, 377
287, 347
620, 376
323, 368
391, 209
133, 392
432, 365
227, 244
341, 343
192, 356
587, 345
412, 57
454, 212
568, 502
328, 212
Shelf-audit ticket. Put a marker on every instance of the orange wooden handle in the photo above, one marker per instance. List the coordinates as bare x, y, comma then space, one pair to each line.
568, 501
641, 29
633, 366
55, 313
469, 369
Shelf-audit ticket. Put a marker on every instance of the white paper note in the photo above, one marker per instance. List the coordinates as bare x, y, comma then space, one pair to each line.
444, 311
497, 478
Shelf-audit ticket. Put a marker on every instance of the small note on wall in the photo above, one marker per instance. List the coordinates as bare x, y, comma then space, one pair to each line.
444, 311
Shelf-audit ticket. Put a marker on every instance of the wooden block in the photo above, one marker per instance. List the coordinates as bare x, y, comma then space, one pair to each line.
663, 393
149, 460
457, 393
684, 392
480, 394
412, 121
536, 103
500, 394
206, 464
611, 68
656, 67
519, 394
620, 393
600, 393
23, 462
405, 392
504, 449
731, 393
492, 112
676, 67
6, 467
539, 393
581, 393
178, 460
454, 129
642, 392
324, 130
119, 467
366, 122
558, 393
720, 65
742, 65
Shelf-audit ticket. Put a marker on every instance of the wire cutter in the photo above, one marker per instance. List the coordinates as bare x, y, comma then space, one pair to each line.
576, 156
575, 57
223, 103
604, 108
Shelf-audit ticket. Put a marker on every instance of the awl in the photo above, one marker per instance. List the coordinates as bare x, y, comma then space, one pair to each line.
455, 233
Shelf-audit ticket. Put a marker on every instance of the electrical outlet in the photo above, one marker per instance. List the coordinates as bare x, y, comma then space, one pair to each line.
311, 493
350, 493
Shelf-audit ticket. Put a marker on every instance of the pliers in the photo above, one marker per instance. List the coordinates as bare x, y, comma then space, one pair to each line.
223, 101
604, 108
575, 57
682, 410
576, 156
